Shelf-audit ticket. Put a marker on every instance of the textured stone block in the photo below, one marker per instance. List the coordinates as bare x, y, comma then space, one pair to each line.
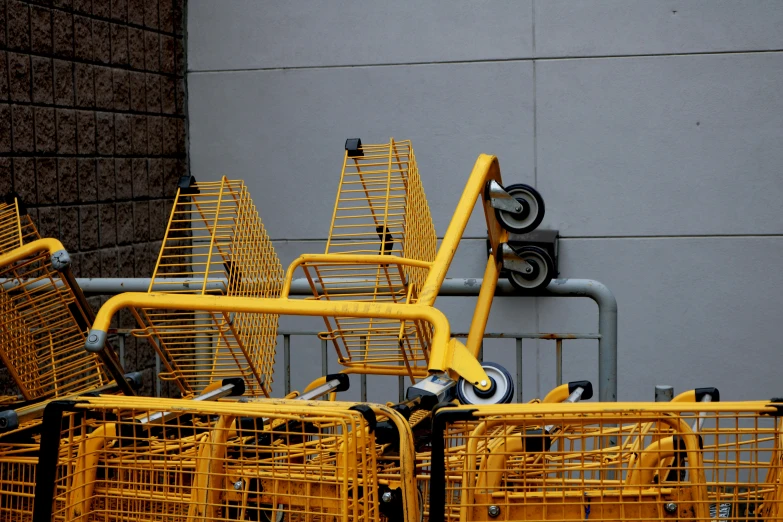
24, 179
141, 222
46, 172
125, 261
154, 135
101, 41
63, 83
125, 223
91, 267
178, 15
122, 134
88, 227
18, 16
3, 23
180, 58
106, 180
43, 80
101, 8
152, 14
140, 181
5, 128
6, 175
63, 33
67, 180
138, 92
110, 266
156, 177
139, 134
172, 171
69, 221
136, 12
170, 136
166, 17
153, 92
121, 89
119, 10
104, 96
158, 220
143, 266
85, 132
168, 95
83, 6
82, 34
3, 75
136, 47
45, 135
85, 85
41, 30
152, 51
23, 128
87, 180
105, 133
181, 98
19, 72
168, 51
122, 171
48, 222
108, 224
66, 131
119, 44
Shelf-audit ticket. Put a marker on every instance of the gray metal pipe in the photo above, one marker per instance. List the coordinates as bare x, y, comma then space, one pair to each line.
595, 290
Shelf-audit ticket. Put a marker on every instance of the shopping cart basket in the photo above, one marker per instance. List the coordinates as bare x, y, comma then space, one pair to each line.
104, 459
44, 317
561, 462
214, 239
382, 248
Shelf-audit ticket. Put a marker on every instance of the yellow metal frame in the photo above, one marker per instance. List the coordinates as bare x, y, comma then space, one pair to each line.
498, 461
215, 238
221, 460
355, 272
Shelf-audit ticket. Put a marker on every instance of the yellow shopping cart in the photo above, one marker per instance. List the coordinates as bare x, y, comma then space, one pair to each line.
215, 240
682, 460
141, 459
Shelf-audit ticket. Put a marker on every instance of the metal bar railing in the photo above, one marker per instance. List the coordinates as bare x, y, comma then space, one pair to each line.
518, 337
595, 290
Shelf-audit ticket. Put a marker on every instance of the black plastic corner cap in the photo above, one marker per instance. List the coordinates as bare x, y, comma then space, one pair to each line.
367, 413
714, 394
586, 386
403, 409
9, 198
186, 185
354, 147
344, 381
134, 379
536, 441
238, 383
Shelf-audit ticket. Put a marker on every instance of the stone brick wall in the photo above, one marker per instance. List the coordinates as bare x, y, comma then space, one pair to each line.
93, 127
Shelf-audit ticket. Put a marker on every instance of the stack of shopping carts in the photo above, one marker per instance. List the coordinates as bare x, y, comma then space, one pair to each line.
77, 444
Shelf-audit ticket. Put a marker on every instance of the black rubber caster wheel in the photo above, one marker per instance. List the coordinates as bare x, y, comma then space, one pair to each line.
529, 217
501, 390
540, 276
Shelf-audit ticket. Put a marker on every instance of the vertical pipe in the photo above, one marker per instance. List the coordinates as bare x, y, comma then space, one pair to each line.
364, 387
663, 393
401, 388
559, 356
519, 369
324, 359
157, 374
287, 362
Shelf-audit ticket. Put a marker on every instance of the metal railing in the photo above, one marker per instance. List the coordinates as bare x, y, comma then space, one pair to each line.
595, 290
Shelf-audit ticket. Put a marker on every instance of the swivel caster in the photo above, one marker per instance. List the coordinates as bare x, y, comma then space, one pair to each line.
501, 390
528, 267
518, 208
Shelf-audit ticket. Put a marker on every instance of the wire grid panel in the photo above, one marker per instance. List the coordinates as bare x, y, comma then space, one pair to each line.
211, 461
215, 238
613, 462
43, 329
380, 209
17, 480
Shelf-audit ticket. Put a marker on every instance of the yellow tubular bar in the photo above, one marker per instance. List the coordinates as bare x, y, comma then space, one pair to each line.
39, 245
297, 307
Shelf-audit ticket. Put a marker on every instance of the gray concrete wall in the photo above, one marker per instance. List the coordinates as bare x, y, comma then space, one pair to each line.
653, 129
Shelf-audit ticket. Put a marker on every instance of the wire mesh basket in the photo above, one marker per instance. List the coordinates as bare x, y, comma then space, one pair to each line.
103, 459
216, 240
608, 462
381, 209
